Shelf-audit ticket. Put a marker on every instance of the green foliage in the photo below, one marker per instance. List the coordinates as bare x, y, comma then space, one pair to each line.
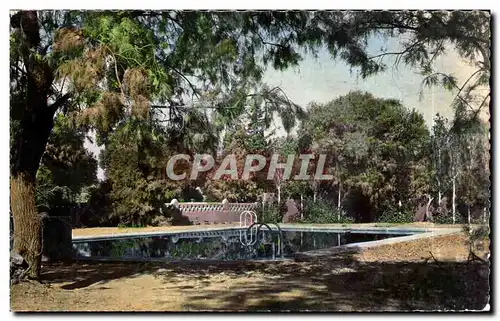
294, 189
15, 128
271, 213
67, 167
477, 233
126, 73
131, 160
376, 148
237, 191
394, 215
99, 205
48, 197
459, 153
476, 238
67, 159
321, 212
443, 216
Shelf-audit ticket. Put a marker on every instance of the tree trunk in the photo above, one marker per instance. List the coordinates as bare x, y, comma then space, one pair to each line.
453, 199
470, 170
36, 120
302, 207
279, 194
338, 199
428, 215
438, 178
27, 222
338, 204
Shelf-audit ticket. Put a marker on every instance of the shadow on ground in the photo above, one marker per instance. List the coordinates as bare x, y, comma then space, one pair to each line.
338, 283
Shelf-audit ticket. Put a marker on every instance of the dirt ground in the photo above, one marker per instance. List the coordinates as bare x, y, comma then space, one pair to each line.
396, 277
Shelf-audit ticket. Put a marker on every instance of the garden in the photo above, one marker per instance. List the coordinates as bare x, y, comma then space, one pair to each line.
155, 166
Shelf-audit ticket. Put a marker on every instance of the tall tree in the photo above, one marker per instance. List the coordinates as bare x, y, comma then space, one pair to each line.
439, 152
469, 172
377, 143
283, 147
66, 164
106, 67
238, 144
459, 153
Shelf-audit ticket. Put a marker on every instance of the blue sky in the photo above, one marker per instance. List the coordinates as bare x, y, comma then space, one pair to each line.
322, 79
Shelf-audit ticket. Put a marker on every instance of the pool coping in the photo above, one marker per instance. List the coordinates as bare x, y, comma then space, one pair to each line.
421, 234
104, 237
289, 227
418, 233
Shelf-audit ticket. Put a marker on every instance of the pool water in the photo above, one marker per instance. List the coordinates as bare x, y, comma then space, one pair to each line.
218, 245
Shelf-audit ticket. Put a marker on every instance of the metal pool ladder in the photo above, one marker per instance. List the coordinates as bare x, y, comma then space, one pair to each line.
248, 217
250, 236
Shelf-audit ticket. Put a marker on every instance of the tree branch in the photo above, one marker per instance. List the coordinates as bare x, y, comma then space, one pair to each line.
460, 89
397, 53
484, 100
195, 90
486, 58
117, 76
59, 103
465, 83
437, 50
262, 39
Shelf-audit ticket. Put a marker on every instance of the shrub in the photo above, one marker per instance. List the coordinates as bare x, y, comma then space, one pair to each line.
402, 216
270, 213
161, 220
442, 217
476, 238
321, 212
445, 216
394, 214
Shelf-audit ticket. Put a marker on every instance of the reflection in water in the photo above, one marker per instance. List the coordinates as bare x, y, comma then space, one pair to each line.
224, 245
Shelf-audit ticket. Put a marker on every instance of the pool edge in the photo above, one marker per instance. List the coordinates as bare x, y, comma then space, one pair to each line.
361, 245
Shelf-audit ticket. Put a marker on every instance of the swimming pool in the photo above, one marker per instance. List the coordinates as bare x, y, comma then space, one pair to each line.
221, 245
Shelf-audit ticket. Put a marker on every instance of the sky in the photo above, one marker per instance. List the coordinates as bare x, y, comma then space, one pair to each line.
322, 79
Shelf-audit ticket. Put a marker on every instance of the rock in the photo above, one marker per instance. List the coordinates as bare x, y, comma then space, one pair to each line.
16, 258
18, 267
420, 213
175, 202
225, 204
444, 203
292, 211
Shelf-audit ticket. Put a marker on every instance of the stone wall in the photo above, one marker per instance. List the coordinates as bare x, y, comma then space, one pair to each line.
200, 213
